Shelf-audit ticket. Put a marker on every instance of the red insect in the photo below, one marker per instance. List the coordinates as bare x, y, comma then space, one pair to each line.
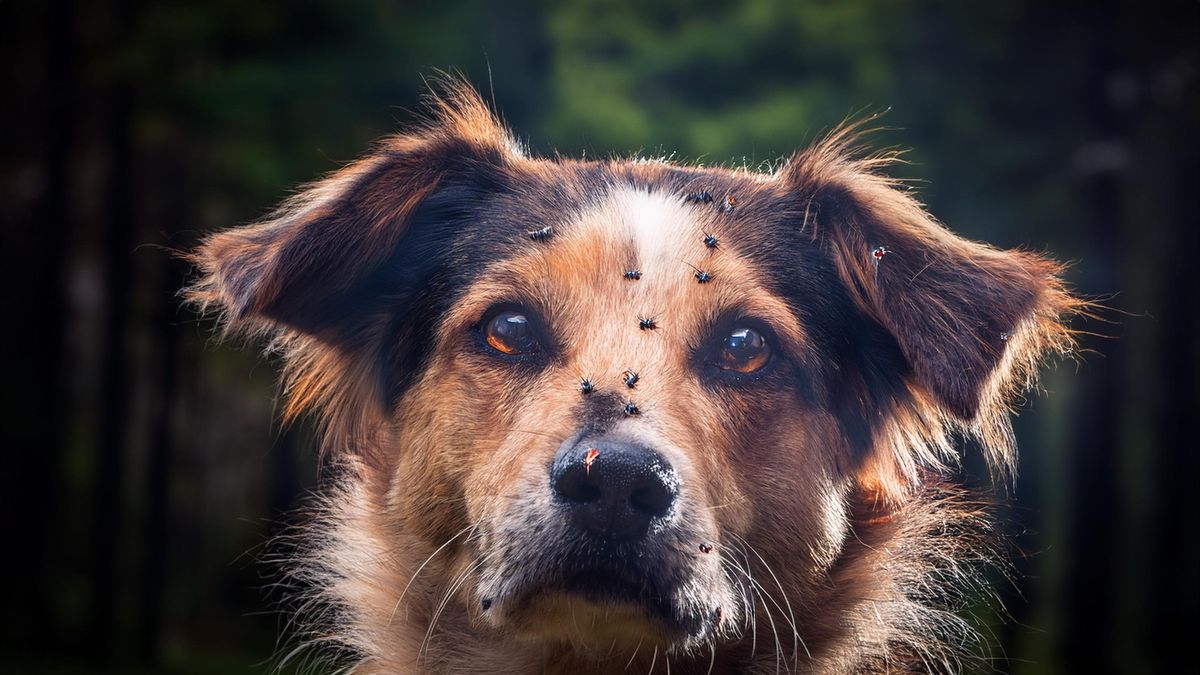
590, 457
879, 252
706, 547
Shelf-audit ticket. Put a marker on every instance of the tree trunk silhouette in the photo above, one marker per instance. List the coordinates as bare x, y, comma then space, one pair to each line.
174, 180
35, 250
108, 535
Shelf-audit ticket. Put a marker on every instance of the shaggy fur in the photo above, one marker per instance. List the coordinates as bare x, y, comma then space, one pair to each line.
818, 526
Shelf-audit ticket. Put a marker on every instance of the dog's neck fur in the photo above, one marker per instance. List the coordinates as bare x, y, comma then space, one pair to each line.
373, 592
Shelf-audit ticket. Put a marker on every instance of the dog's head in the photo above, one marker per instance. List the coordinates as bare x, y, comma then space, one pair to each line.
610, 390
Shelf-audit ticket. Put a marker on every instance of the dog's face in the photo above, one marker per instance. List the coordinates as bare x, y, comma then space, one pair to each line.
613, 393
601, 401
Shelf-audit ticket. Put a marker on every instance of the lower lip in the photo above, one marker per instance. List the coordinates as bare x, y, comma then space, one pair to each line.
606, 588
604, 585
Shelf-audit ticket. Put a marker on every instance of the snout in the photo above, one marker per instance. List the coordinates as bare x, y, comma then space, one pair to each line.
614, 491
615, 533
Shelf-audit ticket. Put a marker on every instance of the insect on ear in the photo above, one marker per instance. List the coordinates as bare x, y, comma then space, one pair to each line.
948, 302
542, 235
878, 253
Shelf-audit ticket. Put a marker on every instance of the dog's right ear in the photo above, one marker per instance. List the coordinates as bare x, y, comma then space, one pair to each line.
294, 269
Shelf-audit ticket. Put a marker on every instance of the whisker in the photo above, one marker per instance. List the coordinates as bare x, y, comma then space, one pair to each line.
763, 596
727, 504
453, 589
770, 620
422, 567
635, 652
535, 433
782, 591
751, 607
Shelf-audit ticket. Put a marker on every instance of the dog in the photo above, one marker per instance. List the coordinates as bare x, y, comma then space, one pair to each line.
631, 415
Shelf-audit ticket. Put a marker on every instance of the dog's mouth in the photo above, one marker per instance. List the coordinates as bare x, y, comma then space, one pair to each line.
603, 601
603, 585
550, 579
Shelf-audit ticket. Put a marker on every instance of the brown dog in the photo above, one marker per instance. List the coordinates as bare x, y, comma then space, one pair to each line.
628, 415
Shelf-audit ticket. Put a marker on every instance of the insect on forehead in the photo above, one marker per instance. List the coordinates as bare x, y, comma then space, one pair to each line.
702, 277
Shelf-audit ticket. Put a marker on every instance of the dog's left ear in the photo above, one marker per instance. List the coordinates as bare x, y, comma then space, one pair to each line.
972, 321
294, 270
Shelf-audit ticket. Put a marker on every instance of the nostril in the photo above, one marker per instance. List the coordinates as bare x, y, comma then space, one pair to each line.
584, 492
653, 499
574, 485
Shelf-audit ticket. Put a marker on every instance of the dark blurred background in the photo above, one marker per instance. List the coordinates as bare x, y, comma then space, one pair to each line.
145, 464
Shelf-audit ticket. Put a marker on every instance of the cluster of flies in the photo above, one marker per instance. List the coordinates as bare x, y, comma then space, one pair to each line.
649, 323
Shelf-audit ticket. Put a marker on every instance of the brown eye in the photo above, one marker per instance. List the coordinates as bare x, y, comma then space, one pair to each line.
743, 351
509, 332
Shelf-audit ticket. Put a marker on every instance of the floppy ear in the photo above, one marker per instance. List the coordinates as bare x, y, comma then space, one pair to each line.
293, 269
971, 321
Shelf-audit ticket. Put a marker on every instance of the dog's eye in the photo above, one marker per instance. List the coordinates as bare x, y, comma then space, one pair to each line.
744, 350
509, 332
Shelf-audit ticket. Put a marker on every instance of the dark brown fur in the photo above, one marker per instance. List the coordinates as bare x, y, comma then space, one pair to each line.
821, 523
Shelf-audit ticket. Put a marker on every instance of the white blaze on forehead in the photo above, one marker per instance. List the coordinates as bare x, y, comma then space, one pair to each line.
659, 226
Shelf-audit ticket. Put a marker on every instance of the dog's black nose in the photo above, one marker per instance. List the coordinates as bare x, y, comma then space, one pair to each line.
614, 490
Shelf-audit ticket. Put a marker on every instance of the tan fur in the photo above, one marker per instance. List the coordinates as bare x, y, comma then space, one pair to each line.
836, 556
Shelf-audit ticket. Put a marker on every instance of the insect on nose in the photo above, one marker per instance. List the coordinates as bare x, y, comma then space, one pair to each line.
614, 490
